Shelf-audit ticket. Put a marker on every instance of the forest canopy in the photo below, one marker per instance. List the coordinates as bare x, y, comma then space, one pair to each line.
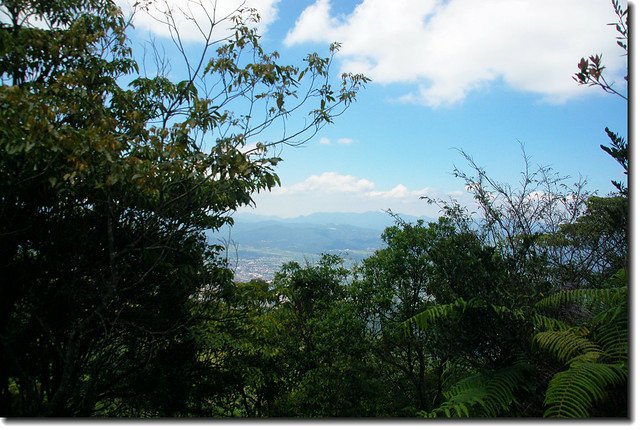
114, 304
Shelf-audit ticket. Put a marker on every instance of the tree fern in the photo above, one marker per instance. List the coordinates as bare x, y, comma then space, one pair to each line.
567, 344
596, 351
593, 351
484, 394
487, 394
588, 297
437, 312
543, 322
466, 393
571, 393
614, 339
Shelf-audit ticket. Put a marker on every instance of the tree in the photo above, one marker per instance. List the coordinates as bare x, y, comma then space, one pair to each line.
238, 349
472, 329
425, 266
555, 251
292, 348
106, 190
393, 285
329, 372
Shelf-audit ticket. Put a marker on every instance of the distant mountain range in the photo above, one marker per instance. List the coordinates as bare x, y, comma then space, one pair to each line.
304, 237
377, 220
259, 245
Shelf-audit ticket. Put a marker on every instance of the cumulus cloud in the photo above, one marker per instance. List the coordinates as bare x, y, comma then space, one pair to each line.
335, 192
324, 141
336, 183
202, 12
330, 182
448, 48
398, 192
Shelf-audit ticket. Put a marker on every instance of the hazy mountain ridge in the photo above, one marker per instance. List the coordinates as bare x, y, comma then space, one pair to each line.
304, 237
377, 220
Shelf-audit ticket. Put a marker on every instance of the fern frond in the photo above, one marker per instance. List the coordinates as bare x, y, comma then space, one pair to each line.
545, 323
566, 344
587, 297
466, 392
438, 312
486, 394
573, 392
597, 353
613, 337
503, 310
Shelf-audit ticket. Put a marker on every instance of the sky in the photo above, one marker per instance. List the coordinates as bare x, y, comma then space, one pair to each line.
489, 78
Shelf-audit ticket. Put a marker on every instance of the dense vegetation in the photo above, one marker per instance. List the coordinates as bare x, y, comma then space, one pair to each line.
113, 303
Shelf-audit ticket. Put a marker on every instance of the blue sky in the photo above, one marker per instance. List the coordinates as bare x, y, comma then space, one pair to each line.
481, 77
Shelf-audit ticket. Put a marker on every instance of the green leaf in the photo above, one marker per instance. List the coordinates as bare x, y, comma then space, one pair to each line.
572, 393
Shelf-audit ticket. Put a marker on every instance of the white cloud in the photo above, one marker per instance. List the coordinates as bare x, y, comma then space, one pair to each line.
340, 141
329, 182
313, 24
399, 191
335, 192
448, 48
203, 11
